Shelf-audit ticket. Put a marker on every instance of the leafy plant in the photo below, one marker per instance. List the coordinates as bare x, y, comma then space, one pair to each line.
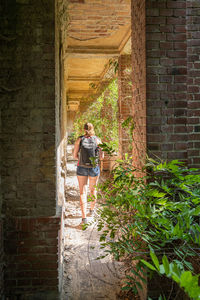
103, 115
185, 279
71, 138
157, 212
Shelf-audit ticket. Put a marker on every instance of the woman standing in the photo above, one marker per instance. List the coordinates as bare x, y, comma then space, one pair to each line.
88, 153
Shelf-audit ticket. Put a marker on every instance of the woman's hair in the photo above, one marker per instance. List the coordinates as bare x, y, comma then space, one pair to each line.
89, 129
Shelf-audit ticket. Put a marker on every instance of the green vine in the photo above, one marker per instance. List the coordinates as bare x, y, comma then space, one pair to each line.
103, 114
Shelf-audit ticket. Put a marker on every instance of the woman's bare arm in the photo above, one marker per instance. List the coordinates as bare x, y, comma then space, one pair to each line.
101, 154
76, 148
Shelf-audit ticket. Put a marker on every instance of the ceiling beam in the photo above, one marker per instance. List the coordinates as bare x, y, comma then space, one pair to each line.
87, 79
90, 53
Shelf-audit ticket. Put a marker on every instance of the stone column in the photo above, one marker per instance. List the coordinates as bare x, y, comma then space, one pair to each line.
72, 109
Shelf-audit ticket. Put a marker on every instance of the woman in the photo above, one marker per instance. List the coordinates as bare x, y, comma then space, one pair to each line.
87, 151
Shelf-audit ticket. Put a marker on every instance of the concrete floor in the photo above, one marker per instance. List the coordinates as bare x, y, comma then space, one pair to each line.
85, 277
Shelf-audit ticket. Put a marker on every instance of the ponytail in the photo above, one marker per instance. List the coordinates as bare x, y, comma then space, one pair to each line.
89, 129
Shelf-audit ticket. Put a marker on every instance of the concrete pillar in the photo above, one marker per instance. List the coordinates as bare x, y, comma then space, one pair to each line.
72, 109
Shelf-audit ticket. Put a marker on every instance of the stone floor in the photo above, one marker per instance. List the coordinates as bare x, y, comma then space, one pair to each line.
85, 277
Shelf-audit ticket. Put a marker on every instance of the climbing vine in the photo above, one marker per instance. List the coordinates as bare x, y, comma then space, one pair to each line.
103, 114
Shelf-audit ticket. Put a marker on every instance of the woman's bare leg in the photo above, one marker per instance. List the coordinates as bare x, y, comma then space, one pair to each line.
82, 180
93, 192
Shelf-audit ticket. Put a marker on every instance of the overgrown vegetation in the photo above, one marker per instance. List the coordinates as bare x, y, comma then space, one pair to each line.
103, 115
152, 224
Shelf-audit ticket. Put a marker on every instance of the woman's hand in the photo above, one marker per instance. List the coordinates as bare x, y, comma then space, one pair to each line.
101, 153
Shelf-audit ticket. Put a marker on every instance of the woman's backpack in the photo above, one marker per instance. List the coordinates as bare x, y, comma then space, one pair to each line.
89, 152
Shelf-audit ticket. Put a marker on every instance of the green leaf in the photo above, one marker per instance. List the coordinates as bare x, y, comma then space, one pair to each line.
165, 264
150, 266
155, 260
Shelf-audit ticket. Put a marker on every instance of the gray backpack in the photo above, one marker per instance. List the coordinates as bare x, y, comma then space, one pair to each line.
89, 151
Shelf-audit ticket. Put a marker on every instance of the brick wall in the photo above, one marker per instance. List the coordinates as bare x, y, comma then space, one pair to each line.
31, 247
125, 103
1, 260
166, 79
139, 81
27, 86
105, 17
193, 82
173, 92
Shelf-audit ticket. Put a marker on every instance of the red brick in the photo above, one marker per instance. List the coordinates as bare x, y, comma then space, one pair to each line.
23, 282
193, 120
155, 4
180, 62
153, 12
166, 78
179, 12
176, 4
195, 136
196, 161
156, 20
176, 37
176, 53
48, 274
172, 120
166, 12
155, 36
193, 153
166, 28
175, 21
180, 78
167, 45
177, 155
193, 89
181, 146
180, 28
180, 45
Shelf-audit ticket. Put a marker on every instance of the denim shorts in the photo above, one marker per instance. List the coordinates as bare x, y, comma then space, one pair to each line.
92, 172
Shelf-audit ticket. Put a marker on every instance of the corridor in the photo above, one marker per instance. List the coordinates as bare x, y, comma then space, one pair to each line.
85, 277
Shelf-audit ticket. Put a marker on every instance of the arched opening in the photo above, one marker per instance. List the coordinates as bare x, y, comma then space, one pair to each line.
96, 47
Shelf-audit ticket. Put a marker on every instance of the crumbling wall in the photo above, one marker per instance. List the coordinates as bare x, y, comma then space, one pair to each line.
27, 87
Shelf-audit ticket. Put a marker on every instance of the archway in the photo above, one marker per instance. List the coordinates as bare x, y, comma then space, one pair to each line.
94, 36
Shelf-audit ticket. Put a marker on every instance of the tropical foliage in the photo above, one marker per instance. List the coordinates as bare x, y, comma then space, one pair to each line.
153, 218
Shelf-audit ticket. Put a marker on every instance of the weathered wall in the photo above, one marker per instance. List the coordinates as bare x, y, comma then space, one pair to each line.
105, 17
173, 93
139, 82
31, 265
173, 71
193, 81
166, 79
27, 86
28, 108
61, 122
